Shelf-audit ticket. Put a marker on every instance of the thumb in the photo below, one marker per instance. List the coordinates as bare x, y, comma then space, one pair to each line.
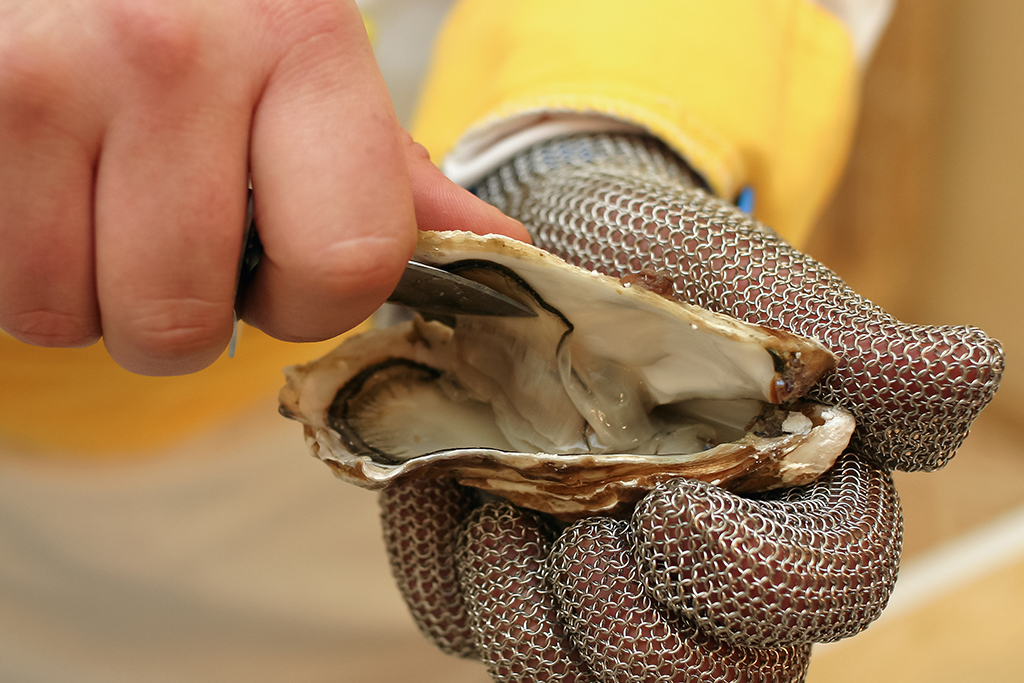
442, 205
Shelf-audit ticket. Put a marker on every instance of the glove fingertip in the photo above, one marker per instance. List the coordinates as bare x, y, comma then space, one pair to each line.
623, 633
501, 563
420, 522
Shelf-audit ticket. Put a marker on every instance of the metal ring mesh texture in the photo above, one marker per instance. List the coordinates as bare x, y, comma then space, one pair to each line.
501, 564
625, 636
519, 593
420, 521
622, 203
814, 566
660, 601
701, 584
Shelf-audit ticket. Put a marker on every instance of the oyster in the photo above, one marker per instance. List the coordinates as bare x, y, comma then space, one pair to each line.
609, 390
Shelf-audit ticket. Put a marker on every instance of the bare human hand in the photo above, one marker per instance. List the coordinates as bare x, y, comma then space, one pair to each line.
128, 132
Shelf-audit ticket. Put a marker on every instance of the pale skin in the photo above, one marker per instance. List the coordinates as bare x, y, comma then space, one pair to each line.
128, 132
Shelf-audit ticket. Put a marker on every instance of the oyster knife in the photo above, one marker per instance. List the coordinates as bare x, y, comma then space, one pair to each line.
427, 289
435, 291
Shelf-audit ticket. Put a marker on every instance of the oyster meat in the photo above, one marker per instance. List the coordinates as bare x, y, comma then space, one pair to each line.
609, 390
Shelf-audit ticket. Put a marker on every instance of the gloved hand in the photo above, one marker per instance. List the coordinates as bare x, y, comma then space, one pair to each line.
700, 584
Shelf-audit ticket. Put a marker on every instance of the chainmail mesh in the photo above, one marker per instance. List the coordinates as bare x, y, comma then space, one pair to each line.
814, 566
621, 203
511, 608
624, 635
420, 521
701, 584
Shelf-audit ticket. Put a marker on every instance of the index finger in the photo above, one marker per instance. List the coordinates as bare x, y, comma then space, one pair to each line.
333, 197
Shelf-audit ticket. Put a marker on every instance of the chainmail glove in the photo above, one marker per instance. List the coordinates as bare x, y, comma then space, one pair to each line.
700, 584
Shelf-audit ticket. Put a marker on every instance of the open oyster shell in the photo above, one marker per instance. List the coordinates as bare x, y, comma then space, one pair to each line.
610, 390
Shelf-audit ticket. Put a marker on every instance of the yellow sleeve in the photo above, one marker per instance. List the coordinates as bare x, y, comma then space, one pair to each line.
759, 94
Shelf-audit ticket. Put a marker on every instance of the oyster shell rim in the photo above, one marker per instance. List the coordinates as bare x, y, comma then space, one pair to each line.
539, 480
603, 482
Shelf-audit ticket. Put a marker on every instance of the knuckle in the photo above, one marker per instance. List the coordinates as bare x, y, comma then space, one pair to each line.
178, 328
312, 18
30, 77
415, 150
45, 89
51, 327
356, 266
316, 24
157, 39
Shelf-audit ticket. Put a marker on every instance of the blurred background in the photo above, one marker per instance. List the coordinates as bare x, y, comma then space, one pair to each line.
927, 223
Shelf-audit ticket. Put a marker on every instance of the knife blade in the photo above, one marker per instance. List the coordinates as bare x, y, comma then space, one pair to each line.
425, 288
435, 291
